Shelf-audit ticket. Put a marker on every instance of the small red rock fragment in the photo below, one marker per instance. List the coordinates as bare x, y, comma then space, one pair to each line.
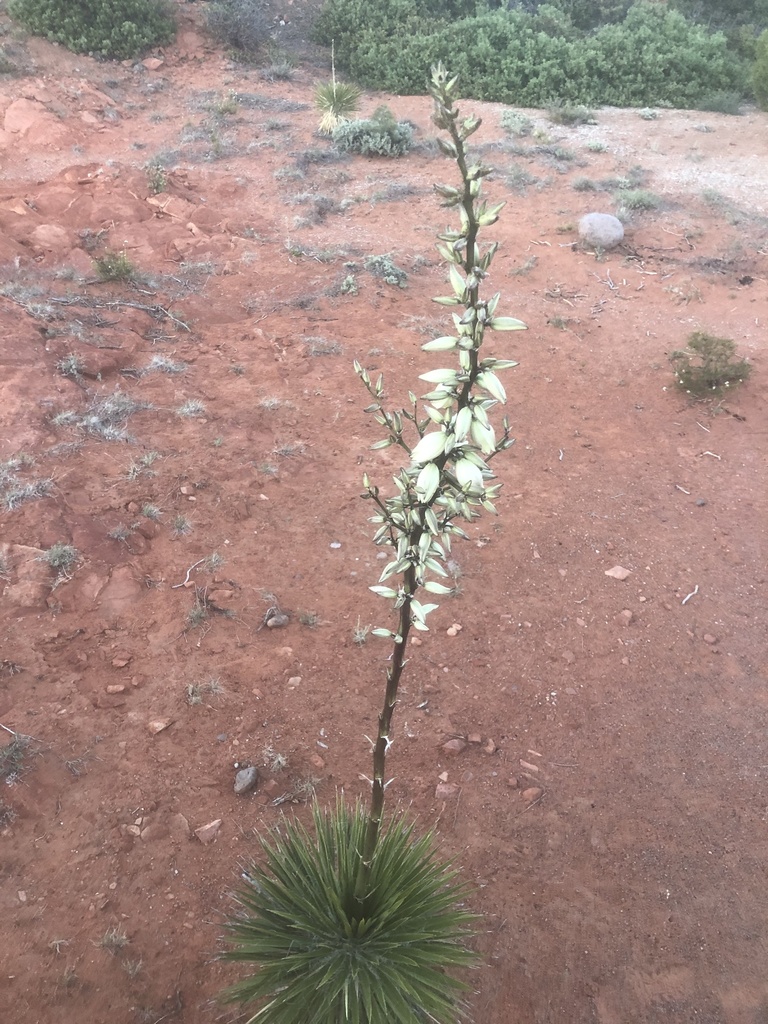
455, 746
709, 638
475, 737
618, 572
207, 833
531, 794
624, 618
158, 725
446, 790
116, 688
489, 747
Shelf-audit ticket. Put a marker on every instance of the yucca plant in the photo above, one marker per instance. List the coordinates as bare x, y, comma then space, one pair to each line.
324, 957
359, 922
336, 101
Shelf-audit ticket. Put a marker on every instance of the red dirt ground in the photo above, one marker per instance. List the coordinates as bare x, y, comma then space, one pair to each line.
632, 887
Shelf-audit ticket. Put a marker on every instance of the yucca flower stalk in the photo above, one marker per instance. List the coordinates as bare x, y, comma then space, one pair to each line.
448, 478
359, 922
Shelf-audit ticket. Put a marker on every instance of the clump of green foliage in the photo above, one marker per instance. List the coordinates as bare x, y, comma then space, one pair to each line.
157, 179
379, 135
638, 199
516, 124
652, 56
384, 267
117, 29
61, 556
571, 114
114, 266
760, 71
325, 957
721, 101
707, 366
14, 756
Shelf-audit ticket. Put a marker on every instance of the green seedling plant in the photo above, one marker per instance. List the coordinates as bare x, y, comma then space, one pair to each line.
361, 923
707, 366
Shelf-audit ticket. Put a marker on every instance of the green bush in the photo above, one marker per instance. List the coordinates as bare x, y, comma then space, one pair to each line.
722, 101
706, 366
760, 71
653, 57
106, 28
380, 135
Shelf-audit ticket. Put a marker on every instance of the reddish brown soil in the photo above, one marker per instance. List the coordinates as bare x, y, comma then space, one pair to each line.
632, 888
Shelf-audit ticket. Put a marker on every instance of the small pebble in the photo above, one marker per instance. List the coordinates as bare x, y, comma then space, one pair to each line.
246, 780
445, 790
455, 746
335, 544
701, 502
207, 833
531, 794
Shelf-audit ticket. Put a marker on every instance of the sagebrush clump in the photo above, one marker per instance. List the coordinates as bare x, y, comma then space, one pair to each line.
240, 24
118, 29
379, 135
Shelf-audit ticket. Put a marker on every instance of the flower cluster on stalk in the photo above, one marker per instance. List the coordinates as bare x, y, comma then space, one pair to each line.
448, 477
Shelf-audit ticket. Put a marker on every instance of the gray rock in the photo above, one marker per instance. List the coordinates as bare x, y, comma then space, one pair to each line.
246, 780
601, 229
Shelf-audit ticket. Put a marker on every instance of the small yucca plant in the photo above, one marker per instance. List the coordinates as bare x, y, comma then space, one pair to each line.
326, 959
336, 101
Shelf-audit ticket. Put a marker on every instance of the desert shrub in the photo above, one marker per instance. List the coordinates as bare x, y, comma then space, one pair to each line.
638, 199
722, 101
516, 124
108, 28
239, 24
722, 13
380, 135
653, 57
707, 366
114, 266
61, 556
656, 57
563, 112
760, 71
